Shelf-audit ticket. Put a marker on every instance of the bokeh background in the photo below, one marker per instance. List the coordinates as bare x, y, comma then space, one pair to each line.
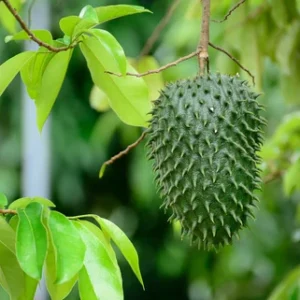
263, 263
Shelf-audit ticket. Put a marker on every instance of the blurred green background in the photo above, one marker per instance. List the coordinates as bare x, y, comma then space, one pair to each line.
265, 37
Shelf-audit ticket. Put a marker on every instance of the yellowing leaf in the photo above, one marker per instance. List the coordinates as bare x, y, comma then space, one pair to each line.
99, 100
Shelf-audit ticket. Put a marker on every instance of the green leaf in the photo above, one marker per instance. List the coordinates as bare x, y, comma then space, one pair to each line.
291, 178
56, 291
23, 202
52, 81
128, 96
100, 269
89, 13
110, 12
155, 82
11, 275
99, 100
123, 243
32, 72
43, 35
31, 245
286, 287
3, 200
67, 24
109, 42
85, 287
10, 68
89, 19
6, 18
69, 248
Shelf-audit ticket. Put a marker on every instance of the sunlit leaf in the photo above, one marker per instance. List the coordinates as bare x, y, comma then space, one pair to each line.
31, 244
57, 291
111, 45
43, 35
128, 96
85, 287
52, 81
100, 269
3, 200
67, 24
88, 12
32, 72
10, 68
123, 243
110, 12
69, 249
7, 236
23, 202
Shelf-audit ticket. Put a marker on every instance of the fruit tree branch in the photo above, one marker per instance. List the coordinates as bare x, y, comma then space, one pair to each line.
122, 153
172, 64
30, 33
162, 24
8, 211
235, 60
204, 40
230, 12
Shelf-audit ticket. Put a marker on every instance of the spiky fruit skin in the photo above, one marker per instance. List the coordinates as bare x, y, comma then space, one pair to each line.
203, 138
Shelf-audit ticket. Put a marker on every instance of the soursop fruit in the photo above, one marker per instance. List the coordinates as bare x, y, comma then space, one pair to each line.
203, 138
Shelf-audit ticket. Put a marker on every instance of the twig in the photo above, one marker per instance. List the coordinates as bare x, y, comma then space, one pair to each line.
172, 64
8, 211
30, 34
273, 176
235, 60
204, 39
230, 12
122, 153
162, 24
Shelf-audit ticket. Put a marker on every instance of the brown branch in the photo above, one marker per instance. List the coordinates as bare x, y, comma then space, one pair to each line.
122, 153
235, 60
172, 64
30, 33
204, 39
230, 12
7, 211
272, 176
162, 24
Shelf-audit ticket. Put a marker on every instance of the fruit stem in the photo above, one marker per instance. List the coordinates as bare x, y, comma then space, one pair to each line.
203, 57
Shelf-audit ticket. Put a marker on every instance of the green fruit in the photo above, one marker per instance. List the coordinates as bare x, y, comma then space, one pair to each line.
204, 137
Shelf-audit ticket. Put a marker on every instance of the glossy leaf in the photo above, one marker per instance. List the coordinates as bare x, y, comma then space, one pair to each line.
32, 72
10, 68
43, 35
109, 42
110, 12
123, 243
291, 178
52, 81
23, 202
67, 24
128, 96
3, 200
85, 287
101, 270
89, 19
69, 248
57, 291
31, 240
